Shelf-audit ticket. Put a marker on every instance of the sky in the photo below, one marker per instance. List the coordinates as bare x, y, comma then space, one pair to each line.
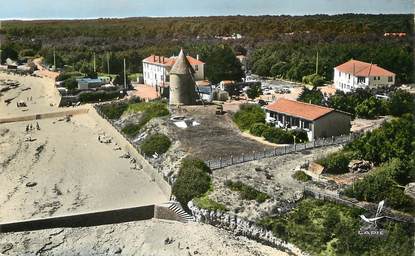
74, 9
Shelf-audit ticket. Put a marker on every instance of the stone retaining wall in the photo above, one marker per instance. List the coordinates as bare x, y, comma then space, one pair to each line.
241, 227
23, 118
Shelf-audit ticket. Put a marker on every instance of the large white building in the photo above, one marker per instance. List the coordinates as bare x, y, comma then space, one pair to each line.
156, 69
356, 74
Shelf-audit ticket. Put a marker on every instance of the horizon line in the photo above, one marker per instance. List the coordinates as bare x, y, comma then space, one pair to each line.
192, 16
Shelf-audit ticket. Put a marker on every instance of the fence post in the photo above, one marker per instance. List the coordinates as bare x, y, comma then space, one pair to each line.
243, 158
231, 159
264, 153
332, 138
285, 149
295, 147
314, 143
254, 154
275, 151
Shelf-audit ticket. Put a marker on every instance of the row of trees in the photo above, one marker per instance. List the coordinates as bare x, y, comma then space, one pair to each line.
296, 61
362, 102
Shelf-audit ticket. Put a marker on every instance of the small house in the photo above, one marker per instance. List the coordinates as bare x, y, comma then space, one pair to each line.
317, 121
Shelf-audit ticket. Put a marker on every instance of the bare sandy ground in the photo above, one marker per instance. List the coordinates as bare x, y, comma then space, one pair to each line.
42, 93
152, 237
74, 172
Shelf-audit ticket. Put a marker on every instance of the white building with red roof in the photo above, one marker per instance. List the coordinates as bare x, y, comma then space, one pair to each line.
316, 120
156, 69
358, 74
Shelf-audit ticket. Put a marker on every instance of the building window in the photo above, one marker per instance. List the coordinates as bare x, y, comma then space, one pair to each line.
390, 79
196, 68
306, 124
349, 76
360, 79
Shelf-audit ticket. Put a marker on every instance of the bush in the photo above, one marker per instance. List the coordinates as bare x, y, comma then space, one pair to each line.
401, 102
131, 129
258, 129
300, 135
156, 143
205, 202
301, 176
385, 182
114, 111
192, 162
191, 182
323, 228
92, 97
314, 79
247, 192
248, 115
277, 136
336, 163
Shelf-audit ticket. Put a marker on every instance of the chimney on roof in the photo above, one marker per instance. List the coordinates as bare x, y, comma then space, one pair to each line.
197, 56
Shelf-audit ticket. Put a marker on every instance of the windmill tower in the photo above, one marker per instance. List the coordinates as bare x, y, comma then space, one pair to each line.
182, 84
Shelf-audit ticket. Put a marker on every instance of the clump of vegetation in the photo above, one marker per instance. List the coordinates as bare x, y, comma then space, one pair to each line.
149, 111
278, 136
99, 96
301, 176
323, 228
205, 202
258, 129
254, 91
314, 79
193, 181
156, 143
114, 111
131, 130
387, 182
336, 163
395, 139
248, 115
247, 192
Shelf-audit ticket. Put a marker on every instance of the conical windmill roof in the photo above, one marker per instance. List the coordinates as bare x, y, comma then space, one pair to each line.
182, 65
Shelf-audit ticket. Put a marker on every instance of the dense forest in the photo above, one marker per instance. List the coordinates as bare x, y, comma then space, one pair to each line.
279, 46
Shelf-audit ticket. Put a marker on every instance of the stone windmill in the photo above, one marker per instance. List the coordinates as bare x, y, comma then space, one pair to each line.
182, 83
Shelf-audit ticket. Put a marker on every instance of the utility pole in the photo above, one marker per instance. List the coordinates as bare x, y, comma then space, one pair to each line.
108, 63
54, 59
95, 66
125, 77
317, 64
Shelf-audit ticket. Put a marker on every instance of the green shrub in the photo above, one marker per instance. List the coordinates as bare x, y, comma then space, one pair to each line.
205, 202
131, 129
301, 176
114, 111
323, 228
156, 143
336, 163
401, 102
300, 135
258, 129
247, 192
248, 115
278, 136
91, 97
314, 79
191, 182
385, 182
192, 162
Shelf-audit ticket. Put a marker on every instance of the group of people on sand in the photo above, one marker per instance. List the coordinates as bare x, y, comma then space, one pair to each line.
31, 127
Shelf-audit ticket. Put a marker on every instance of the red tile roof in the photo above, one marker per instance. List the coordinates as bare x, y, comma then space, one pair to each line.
299, 109
154, 59
360, 68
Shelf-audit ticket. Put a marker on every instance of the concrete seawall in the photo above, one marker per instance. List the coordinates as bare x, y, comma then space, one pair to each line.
82, 220
55, 114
